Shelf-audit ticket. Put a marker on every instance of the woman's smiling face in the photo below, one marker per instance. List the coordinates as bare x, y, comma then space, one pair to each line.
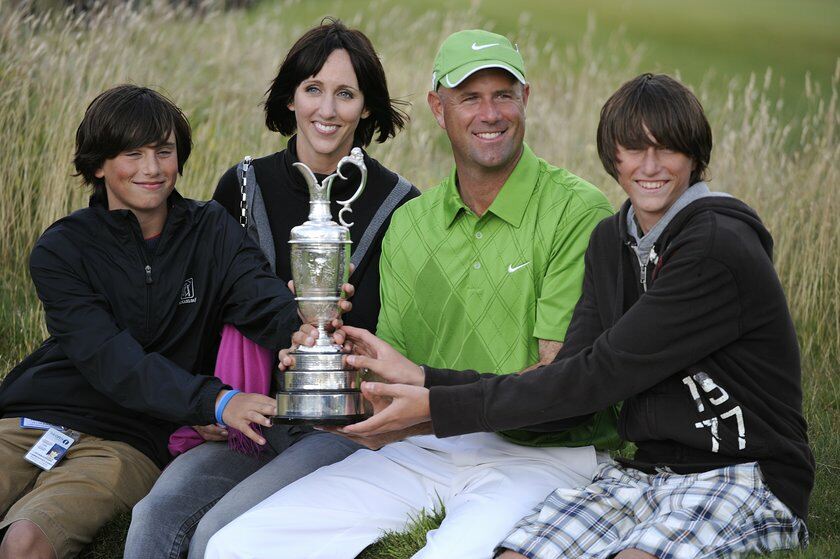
328, 107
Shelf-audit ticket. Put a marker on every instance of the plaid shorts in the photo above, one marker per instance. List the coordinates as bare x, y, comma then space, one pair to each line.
720, 513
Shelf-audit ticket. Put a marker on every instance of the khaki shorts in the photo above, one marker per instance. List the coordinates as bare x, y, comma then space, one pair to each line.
96, 480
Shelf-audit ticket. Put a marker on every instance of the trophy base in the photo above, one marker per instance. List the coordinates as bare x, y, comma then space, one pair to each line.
336, 421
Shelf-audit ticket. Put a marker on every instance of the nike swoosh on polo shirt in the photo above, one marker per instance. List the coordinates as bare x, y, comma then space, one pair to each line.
512, 269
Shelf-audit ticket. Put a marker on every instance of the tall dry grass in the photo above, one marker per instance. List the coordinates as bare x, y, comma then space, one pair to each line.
216, 66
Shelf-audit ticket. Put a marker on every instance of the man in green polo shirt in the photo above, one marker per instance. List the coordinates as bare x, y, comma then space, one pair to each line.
482, 271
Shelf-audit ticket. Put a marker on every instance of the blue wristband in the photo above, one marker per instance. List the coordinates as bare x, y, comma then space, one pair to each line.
220, 409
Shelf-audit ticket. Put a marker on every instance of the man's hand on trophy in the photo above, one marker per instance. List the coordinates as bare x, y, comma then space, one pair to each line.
211, 432
369, 352
397, 407
242, 409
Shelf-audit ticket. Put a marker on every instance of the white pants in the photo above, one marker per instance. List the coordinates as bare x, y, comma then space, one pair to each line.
486, 484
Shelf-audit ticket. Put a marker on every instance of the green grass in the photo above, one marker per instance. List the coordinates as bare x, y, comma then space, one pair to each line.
407, 542
110, 542
776, 148
716, 40
693, 37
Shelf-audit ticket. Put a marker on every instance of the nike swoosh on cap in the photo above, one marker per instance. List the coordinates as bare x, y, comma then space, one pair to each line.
476, 46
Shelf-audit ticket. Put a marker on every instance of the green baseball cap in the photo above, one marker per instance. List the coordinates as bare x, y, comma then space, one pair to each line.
466, 52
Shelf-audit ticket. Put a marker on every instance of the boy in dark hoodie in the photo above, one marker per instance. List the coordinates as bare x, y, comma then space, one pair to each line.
684, 319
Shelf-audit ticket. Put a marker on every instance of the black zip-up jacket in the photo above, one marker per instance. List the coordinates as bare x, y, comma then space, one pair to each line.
133, 335
706, 360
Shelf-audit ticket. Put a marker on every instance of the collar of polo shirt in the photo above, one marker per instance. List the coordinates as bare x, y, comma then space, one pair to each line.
512, 199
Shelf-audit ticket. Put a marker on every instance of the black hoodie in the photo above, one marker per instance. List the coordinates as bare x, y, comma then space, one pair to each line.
131, 332
706, 360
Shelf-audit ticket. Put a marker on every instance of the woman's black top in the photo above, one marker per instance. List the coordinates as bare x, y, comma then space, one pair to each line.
286, 199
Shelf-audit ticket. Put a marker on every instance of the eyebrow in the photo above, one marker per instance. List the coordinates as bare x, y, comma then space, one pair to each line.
470, 92
319, 82
157, 145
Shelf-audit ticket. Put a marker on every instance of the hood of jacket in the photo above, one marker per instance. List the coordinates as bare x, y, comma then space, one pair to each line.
723, 205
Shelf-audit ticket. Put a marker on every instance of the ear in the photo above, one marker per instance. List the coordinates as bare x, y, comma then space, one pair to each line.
436, 104
526, 92
99, 173
365, 113
291, 106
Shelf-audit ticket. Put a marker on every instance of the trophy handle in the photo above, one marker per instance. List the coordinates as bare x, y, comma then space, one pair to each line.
355, 158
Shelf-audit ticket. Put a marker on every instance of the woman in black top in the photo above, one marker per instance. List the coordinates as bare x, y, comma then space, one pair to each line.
286, 199
331, 91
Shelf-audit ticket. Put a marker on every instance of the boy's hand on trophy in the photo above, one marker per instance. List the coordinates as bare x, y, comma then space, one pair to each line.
369, 352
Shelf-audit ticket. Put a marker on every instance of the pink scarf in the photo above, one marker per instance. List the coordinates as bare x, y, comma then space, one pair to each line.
243, 365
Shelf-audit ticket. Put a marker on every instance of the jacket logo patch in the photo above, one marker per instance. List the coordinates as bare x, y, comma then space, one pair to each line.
187, 292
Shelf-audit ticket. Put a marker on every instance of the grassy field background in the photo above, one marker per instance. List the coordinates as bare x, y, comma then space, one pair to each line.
766, 71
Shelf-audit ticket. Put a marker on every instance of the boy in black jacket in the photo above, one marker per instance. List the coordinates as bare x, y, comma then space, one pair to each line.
135, 289
684, 319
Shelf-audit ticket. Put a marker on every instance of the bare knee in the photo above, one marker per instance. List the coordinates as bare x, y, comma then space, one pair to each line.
511, 555
24, 540
634, 554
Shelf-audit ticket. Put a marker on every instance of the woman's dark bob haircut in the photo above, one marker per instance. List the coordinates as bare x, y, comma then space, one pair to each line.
655, 110
127, 117
307, 57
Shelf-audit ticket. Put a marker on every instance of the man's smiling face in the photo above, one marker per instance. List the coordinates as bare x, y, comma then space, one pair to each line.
484, 117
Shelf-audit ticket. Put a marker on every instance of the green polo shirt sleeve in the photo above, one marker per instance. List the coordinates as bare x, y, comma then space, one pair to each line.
562, 283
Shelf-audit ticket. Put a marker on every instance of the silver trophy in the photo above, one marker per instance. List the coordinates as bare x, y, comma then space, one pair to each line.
318, 389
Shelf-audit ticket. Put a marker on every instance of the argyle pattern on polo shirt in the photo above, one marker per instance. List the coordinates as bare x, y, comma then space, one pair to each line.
463, 291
